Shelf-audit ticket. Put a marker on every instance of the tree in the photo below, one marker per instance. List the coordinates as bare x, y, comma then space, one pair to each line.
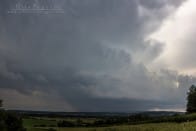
191, 99
1, 103
13, 122
10, 121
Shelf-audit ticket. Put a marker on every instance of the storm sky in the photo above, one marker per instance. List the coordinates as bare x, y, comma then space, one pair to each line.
98, 55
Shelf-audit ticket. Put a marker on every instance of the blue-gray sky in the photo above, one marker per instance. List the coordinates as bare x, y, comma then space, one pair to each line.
97, 55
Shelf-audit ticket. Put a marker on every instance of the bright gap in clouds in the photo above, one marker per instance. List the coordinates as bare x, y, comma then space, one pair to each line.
178, 110
177, 33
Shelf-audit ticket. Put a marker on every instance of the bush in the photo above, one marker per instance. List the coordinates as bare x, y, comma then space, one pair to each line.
10, 122
65, 124
51, 129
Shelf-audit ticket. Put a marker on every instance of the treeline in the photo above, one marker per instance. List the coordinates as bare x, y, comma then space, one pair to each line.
132, 120
106, 121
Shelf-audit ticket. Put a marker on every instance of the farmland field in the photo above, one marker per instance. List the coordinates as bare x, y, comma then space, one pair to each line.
186, 126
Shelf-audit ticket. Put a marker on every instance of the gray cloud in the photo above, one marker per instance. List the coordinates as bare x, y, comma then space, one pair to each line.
154, 4
91, 58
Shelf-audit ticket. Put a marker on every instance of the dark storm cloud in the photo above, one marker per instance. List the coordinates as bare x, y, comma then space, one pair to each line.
86, 56
121, 104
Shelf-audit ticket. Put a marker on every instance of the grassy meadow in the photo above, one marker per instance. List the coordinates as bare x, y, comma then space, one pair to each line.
32, 124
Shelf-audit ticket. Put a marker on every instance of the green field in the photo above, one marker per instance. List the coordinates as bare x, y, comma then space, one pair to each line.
187, 126
31, 122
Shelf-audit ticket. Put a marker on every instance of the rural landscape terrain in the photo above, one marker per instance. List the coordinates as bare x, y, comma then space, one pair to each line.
149, 121
19, 120
146, 121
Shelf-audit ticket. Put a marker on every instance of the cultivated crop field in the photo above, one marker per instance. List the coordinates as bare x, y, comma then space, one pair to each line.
50, 125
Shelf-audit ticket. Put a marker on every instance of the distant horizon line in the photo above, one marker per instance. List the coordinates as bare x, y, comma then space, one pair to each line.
27, 110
